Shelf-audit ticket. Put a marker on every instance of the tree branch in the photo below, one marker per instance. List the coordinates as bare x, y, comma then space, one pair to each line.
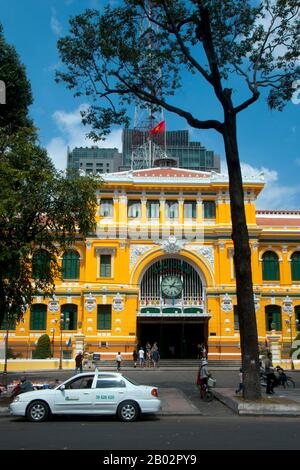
184, 49
153, 99
247, 103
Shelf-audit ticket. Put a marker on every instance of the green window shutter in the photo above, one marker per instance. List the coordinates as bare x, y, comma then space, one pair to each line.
236, 318
71, 265
40, 264
153, 209
270, 266
105, 265
190, 210
8, 324
273, 317
209, 209
104, 317
296, 266
38, 317
69, 317
106, 208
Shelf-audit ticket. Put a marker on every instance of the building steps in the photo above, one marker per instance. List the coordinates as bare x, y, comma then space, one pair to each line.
173, 363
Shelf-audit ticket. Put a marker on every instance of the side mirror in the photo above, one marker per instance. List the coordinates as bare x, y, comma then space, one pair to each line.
62, 388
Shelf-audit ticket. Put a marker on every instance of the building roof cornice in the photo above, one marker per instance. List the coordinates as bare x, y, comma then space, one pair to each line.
175, 176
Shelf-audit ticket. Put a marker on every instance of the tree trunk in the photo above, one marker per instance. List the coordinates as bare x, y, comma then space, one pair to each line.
242, 263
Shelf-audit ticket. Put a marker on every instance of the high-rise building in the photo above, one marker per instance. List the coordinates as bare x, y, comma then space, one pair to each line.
94, 159
188, 154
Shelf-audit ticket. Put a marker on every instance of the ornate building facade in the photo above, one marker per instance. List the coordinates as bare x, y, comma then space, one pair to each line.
160, 268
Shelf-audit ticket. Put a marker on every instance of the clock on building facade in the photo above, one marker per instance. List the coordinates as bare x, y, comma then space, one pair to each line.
171, 286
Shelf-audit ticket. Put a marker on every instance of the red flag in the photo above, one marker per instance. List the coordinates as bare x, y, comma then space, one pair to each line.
161, 127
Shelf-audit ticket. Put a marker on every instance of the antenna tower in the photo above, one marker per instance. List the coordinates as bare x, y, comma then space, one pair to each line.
147, 148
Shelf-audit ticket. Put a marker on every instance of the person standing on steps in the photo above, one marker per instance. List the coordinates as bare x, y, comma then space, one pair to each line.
118, 361
141, 357
135, 358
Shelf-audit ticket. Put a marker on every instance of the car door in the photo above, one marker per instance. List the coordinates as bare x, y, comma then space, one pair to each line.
107, 394
76, 396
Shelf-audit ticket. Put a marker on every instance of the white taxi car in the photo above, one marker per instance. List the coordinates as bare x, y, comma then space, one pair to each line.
89, 393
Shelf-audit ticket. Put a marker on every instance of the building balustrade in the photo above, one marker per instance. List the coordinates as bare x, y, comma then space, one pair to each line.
185, 306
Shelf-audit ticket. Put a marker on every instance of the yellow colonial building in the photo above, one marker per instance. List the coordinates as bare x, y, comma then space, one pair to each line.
160, 268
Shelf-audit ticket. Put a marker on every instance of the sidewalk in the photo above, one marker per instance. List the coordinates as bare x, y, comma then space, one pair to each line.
283, 403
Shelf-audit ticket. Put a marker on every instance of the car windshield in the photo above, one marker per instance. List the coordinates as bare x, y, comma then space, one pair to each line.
132, 381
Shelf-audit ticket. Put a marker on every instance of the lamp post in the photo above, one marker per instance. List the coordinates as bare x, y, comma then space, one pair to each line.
289, 322
52, 331
62, 320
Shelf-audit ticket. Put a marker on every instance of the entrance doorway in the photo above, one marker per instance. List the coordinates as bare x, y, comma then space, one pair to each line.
177, 339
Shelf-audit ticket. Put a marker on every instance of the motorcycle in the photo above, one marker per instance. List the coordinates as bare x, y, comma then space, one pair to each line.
281, 379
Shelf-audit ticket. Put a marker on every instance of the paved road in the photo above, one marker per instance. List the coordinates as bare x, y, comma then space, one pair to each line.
216, 428
164, 433
184, 380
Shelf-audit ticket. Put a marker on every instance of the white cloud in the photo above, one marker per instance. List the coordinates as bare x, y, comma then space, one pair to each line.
274, 195
55, 24
72, 134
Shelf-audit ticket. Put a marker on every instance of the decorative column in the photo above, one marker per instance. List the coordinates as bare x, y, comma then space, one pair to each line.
144, 210
180, 212
116, 207
284, 267
199, 213
123, 216
79, 344
274, 346
162, 209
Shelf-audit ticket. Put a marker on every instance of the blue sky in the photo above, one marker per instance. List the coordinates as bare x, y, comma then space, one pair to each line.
268, 140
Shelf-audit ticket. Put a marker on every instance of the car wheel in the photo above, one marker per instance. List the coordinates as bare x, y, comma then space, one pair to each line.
37, 411
128, 411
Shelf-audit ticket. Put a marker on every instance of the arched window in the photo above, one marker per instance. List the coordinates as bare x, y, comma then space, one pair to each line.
295, 259
71, 265
69, 317
270, 266
41, 264
38, 317
273, 317
297, 317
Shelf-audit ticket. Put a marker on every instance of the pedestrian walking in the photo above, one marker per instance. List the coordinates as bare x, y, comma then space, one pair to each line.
118, 361
155, 357
241, 384
148, 348
271, 378
141, 357
202, 377
135, 358
78, 362
149, 358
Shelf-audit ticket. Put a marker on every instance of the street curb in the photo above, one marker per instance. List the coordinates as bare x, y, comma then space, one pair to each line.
258, 409
4, 413
113, 369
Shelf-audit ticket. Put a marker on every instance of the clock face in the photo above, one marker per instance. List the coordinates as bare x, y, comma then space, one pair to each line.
171, 286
